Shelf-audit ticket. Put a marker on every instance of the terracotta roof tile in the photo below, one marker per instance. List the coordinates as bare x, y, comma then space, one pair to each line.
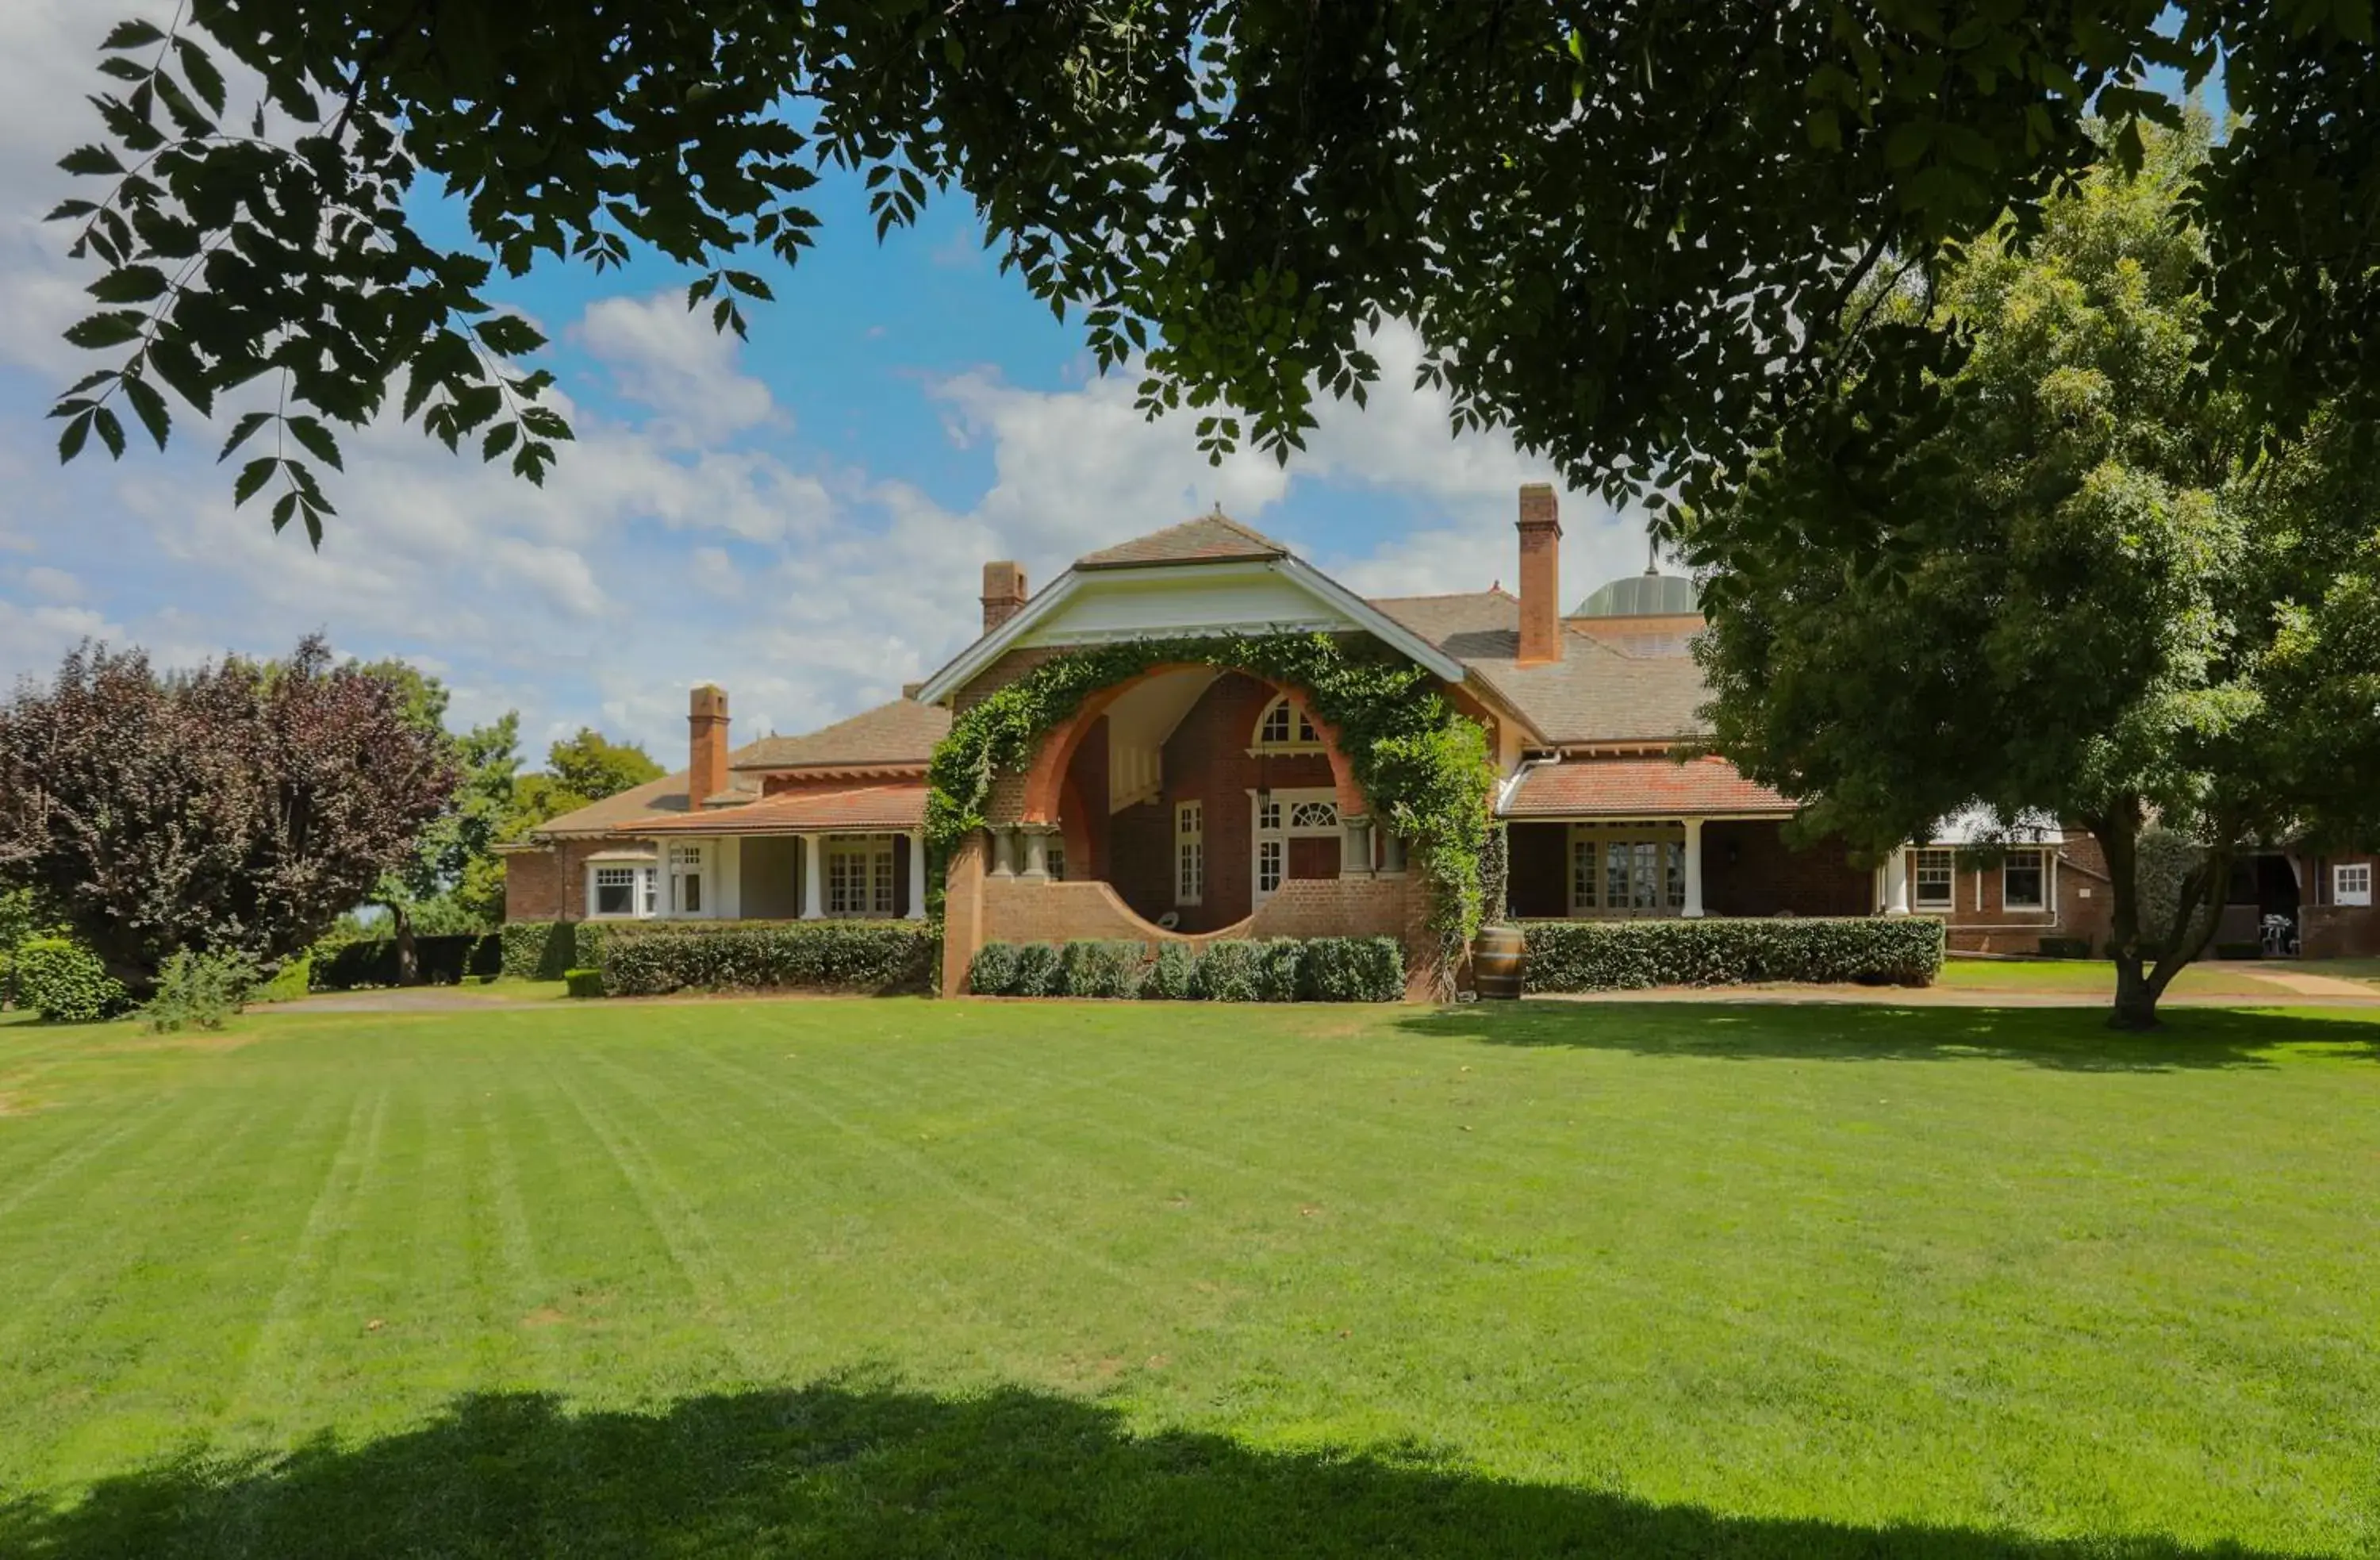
810, 811
665, 798
903, 732
1639, 789
1208, 539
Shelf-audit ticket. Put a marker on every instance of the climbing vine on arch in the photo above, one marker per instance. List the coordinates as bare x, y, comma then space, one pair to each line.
1423, 767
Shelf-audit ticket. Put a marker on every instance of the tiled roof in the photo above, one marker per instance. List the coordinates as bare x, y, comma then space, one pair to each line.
903, 732
1208, 539
811, 810
1595, 694
1475, 623
665, 798
1639, 789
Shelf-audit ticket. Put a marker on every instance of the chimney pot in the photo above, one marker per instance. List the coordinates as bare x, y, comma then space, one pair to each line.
1540, 529
706, 721
1004, 592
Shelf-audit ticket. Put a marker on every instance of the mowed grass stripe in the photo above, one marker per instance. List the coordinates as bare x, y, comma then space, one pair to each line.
1734, 1268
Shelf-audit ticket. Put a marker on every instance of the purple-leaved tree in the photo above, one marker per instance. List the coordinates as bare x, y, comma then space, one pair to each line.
242, 806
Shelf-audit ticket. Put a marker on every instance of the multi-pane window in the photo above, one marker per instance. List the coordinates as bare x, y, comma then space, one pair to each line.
859, 877
1269, 817
615, 891
1627, 871
1053, 859
1314, 815
2023, 881
1189, 853
2350, 883
1270, 854
685, 878
1937, 878
1285, 727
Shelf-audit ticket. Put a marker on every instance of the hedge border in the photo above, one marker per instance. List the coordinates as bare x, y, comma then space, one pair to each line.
1587, 956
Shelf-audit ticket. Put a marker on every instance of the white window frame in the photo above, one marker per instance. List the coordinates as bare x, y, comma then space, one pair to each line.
1668, 841
877, 882
2008, 862
2350, 883
1945, 860
1282, 805
643, 890
1189, 853
1299, 734
681, 861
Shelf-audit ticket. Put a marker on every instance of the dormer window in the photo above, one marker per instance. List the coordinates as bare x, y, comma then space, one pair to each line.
1286, 726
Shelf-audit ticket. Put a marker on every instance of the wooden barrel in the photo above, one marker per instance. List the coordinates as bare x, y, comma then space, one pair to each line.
1498, 955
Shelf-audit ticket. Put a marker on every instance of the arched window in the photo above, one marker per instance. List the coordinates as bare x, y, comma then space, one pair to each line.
1285, 726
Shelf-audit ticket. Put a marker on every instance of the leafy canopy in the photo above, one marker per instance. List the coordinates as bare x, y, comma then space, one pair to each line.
2060, 578
240, 808
1610, 223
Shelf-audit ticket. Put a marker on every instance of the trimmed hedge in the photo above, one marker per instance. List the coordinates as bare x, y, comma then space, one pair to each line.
442, 960
583, 982
65, 983
863, 956
549, 950
2066, 947
1277, 970
1100, 968
1591, 956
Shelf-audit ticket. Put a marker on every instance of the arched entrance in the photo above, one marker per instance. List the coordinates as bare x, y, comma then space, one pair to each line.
1194, 792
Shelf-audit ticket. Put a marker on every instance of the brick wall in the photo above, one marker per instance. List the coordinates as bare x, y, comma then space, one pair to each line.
1980, 920
2338, 931
988, 909
549, 884
1539, 879
1749, 870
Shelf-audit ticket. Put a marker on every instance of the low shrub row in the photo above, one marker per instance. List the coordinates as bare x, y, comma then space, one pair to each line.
549, 950
852, 956
1589, 955
442, 960
1234, 970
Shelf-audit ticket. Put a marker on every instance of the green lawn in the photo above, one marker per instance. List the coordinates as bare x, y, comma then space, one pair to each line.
901, 1278
2098, 977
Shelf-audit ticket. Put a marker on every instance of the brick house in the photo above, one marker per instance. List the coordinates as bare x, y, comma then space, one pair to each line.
1194, 803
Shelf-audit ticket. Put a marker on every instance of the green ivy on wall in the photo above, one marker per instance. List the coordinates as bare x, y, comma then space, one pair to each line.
1423, 767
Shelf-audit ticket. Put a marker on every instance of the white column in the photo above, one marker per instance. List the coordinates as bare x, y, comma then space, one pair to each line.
1694, 910
1355, 848
916, 874
1003, 849
1895, 881
813, 879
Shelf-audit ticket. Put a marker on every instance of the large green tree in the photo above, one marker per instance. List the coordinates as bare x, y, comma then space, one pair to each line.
442, 881
2062, 578
1609, 222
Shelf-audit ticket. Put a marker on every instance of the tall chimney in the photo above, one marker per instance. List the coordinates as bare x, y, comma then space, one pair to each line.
1004, 593
706, 723
1540, 527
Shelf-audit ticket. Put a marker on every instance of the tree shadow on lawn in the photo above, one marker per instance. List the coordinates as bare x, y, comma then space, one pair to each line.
843, 1471
2070, 1039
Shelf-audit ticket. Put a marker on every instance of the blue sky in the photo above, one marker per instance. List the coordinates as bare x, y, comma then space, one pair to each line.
802, 519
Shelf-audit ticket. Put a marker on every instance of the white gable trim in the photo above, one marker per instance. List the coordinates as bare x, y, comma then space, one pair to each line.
1336, 608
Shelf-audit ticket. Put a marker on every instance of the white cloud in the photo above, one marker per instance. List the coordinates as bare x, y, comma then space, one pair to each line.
671, 360
52, 584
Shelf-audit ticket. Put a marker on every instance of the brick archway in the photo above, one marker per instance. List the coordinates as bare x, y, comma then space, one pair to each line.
1045, 780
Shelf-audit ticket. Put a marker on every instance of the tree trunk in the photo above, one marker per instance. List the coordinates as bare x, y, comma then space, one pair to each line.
408, 958
2140, 981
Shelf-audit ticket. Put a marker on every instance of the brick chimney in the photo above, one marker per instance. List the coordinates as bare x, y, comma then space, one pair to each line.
706, 728
1004, 593
1540, 527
